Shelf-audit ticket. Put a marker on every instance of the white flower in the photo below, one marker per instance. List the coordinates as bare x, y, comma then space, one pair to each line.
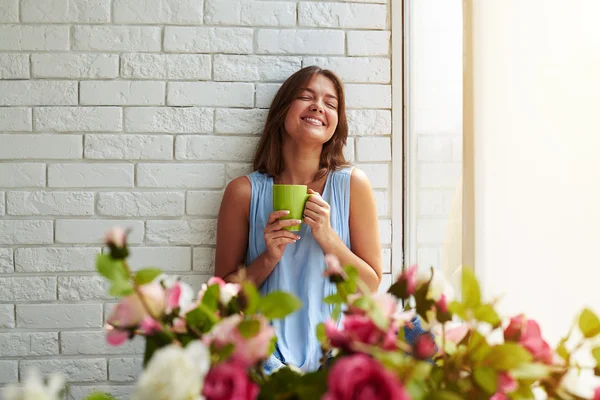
579, 383
174, 373
35, 389
228, 291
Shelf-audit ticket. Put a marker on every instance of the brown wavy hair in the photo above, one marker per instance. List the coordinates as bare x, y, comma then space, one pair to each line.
269, 152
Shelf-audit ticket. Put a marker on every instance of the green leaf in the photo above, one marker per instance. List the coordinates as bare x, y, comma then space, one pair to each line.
486, 313
589, 323
444, 395
478, 347
252, 297
507, 356
249, 328
321, 335
596, 355
333, 299
281, 384
111, 269
530, 371
201, 318
337, 311
121, 288
459, 309
211, 297
471, 294
99, 396
399, 289
151, 347
486, 378
416, 389
562, 351
279, 304
146, 275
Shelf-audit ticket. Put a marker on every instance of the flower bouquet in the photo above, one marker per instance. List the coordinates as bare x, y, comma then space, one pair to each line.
213, 346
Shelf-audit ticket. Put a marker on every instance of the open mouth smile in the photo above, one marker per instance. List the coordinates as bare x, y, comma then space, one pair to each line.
313, 121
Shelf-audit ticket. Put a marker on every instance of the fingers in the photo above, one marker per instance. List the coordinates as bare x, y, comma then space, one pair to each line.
278, 225
311, 214
281, 234
275, 215
282, 242
317, 199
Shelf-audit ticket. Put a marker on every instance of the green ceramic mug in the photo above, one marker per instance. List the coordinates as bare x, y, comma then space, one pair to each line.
292, 198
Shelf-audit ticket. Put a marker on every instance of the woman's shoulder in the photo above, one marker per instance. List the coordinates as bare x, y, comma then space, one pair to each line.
239, 188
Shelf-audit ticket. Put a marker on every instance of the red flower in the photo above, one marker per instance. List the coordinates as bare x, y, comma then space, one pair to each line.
229, 381
424, 347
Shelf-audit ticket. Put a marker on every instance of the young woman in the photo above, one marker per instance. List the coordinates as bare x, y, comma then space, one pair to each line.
302, 143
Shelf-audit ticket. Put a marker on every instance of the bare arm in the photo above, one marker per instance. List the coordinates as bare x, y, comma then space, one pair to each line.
232, 236
365, 255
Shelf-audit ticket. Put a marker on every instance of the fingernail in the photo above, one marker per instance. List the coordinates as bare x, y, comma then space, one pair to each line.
297, 237
298, 221
286, 212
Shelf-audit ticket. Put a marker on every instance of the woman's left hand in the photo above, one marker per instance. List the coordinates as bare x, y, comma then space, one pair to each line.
316, 215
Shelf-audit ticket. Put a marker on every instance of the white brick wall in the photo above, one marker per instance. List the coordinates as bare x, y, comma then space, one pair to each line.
138, 113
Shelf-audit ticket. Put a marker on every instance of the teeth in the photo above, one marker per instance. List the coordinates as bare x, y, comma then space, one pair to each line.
314, 121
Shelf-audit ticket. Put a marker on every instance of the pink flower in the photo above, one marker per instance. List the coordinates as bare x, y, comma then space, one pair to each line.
360, 329
227, 291
150, 326
247, 351
334, 268
506, 383
532, 340
173, 296
116, 237
409, 276
515, 328
360, 377
424, 347
229, 381
442, 304
499, 396
597, 393
116, 337
384, 302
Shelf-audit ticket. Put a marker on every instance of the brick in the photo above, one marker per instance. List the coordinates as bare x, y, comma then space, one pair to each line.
28, 146
22, 175
76, 288
50, 203
9, 371
434, 148
15, 119
6, 261
26, 344
169, 119
124, 93
60, 65
65, 259
368, 43
292, 41
355, 69
369, 122
128, 147
268, 13
7, 316
166, 66
141, 204
13, 65
157, 12
210, 94
254, 68
231, 120
208, 40
439, 175
195, 281
73, 119
181, 232
205, 203
80, 370
59, 315
124, 369
378, 174
188, 176
215, 148
368, 96
167, 258
89, 11
34, 37
122, 392
225, 12
385, 231
383, 204
342, 15
265, 93
92, 231
373, 149
117, 38
204, 260
39, 93
431, 231
349, 150
233, 171
28, 288
435, 202
9, 11
90, 175
26, 232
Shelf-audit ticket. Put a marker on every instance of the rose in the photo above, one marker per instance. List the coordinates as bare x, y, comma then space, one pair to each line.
247, 350
408, 278
116, 241
35, 388
515, 328
174, 373
229, 381
334, 270
360, 329
424, 347
528, 334
506, 384
597, 393
361, 377
227, 291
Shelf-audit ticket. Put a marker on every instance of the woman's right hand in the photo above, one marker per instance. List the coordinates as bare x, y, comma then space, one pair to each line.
277, 238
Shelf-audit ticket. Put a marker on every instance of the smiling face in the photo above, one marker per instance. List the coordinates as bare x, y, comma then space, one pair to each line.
313, 113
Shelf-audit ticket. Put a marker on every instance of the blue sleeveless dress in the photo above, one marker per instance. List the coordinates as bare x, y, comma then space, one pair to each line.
300, 270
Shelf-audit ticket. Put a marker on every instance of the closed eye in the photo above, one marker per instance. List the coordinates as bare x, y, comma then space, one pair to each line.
331, 105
